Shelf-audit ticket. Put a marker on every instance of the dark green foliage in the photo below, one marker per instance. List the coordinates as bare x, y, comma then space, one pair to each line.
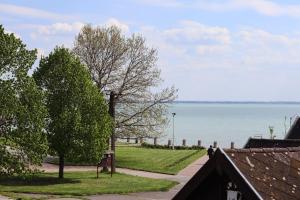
78, 123
22, 140
152, 146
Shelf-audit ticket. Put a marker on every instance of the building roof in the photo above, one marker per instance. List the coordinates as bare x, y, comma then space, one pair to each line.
273, 172
259, 173
271, 143
294, 131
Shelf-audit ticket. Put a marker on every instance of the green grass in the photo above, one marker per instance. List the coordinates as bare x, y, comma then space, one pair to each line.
82, 183
156, 160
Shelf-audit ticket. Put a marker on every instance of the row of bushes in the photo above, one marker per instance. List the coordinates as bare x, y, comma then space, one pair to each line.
152, 146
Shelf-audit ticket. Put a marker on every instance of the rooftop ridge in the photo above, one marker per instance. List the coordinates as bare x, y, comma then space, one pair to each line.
289, 134
268, 139
263, 150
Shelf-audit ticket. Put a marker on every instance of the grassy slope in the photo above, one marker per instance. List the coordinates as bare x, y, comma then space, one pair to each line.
156, 160
84, 183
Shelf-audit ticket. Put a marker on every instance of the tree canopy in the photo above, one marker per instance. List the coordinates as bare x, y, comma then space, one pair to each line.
78, 123
126, 66
23, 143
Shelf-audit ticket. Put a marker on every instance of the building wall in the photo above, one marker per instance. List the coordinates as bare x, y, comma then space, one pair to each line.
214, 187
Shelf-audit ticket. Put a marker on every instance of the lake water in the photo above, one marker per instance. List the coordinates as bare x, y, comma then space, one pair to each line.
226, 122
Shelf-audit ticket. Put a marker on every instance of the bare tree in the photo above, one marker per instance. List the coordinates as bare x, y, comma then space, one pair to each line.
126, 66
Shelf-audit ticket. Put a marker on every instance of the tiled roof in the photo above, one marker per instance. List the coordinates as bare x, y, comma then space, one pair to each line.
271, 143
273, 172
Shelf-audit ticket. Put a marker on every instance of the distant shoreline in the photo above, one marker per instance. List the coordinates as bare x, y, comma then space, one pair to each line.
240, 102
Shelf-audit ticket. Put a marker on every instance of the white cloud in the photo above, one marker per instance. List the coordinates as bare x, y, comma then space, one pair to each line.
255, 36
46, 37
30, 12
269, 8
194, 31
259, 48
58, 28
188, 46
65, 31
191, 45
212, 49
161, 3
62, 28
264, 7
115, 22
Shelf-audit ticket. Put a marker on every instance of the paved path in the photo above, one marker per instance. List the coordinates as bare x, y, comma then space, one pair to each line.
54, 168
4, 198
191, 169
182, 177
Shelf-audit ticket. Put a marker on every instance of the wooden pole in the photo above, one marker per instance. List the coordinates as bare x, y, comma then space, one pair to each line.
232, 145
215, 144
183, 142
199, 143
169, 143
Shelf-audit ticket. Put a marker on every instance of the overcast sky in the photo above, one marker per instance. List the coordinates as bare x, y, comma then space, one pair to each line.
231, 50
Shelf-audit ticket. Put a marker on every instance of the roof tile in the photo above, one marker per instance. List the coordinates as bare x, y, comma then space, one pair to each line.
273, 172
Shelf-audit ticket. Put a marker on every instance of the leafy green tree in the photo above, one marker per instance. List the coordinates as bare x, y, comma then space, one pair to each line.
78, 124
23, 144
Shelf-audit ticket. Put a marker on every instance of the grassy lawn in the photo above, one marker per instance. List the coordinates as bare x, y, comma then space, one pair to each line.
156, 160
83, 183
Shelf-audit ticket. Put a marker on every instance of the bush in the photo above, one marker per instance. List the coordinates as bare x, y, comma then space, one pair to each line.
152, 146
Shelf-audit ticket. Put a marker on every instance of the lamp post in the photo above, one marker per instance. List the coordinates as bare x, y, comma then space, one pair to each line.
173, 130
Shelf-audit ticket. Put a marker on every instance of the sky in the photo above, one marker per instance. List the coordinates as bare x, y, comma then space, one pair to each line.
211, 50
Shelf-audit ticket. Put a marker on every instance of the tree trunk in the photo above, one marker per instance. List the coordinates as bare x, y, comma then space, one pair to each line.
61, 166
111, 111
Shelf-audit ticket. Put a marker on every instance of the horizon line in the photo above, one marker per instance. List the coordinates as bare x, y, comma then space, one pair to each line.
233, 101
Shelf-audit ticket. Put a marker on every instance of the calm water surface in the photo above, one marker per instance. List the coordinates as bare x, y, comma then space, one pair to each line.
226, 122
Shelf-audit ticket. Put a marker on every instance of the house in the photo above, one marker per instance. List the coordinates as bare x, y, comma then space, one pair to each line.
248, 174
271, 143
294, 131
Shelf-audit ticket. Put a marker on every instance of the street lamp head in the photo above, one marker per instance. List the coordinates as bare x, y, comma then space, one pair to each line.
173, 114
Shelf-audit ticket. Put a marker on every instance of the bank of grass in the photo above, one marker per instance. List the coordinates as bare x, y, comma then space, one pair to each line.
82, 183
155, 160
